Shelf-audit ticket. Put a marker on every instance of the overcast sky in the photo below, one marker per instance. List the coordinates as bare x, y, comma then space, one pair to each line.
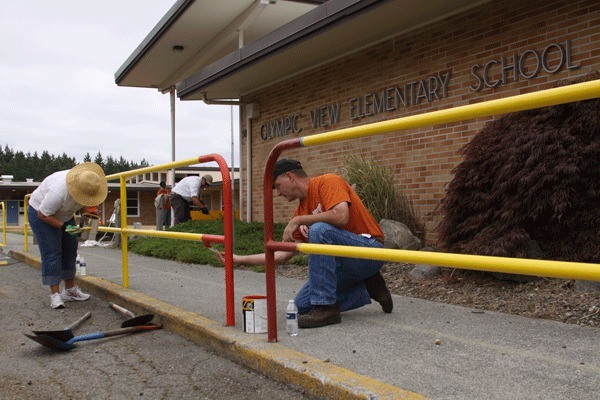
58, 93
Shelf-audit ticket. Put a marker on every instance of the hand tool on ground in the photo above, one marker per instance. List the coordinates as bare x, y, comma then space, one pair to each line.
69, 344
133, 321
66, 333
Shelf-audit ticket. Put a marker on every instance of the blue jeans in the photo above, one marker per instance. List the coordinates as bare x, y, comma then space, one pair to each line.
166, 218
58, 249
337, 279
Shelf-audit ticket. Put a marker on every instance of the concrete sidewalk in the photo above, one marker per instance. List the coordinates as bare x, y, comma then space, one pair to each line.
423, 349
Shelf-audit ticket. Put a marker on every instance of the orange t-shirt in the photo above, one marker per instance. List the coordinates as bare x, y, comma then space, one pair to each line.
327, 191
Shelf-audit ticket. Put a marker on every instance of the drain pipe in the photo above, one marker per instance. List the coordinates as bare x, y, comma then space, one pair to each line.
222, 102
252, 112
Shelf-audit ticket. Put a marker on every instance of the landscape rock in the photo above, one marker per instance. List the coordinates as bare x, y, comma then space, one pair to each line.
398, 236
422, 272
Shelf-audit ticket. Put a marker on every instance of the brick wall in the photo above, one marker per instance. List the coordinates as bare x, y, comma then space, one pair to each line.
423, 158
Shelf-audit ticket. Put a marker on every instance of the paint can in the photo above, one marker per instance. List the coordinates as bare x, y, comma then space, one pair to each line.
254, 309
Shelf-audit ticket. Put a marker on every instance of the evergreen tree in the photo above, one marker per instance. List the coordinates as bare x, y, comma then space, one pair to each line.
98, 160
24, 165
110, 167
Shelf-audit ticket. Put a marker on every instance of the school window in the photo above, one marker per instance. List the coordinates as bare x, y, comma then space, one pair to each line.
133, 204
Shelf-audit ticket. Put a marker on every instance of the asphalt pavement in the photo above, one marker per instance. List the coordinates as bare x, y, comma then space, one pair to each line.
423, 349
150, 365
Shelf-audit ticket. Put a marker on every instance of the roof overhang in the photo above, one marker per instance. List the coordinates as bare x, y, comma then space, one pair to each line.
195, 33
324, 34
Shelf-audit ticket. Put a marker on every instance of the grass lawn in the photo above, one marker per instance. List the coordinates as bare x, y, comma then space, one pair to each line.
249, 239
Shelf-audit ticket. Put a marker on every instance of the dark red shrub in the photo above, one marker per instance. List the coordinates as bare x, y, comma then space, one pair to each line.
532, 175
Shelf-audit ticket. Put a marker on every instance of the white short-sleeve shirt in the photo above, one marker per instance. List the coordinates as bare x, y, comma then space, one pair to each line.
188, 187
52, 197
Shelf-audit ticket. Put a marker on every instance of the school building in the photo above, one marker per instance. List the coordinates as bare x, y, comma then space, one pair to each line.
298, 68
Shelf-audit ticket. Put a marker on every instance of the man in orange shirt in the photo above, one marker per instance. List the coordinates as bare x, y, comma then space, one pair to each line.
329, 212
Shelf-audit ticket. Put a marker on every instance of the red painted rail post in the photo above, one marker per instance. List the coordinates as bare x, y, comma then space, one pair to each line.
270, 235
228, 235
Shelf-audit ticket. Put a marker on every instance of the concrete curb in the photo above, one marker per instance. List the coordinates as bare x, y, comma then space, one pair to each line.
317, 377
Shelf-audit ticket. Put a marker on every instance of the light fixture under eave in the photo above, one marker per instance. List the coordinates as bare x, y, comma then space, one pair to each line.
177, 47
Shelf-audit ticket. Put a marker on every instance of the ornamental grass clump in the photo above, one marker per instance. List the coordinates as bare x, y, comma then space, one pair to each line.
374, 184
529, 176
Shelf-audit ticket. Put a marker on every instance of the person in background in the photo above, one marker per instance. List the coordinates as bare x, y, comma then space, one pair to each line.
50, 211
186, 192
93, 210
329, 212
163, 212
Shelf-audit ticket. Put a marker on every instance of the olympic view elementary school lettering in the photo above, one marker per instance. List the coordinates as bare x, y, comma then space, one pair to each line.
552, 59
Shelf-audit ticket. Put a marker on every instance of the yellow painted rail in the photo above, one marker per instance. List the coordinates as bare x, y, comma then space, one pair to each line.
197, 237
3, 210
523, 266
26, 223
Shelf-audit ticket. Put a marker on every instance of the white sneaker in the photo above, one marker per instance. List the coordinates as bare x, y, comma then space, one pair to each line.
73, 294
56, 301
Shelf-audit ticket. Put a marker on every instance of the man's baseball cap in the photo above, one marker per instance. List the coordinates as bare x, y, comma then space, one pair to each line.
208, 179
284, 165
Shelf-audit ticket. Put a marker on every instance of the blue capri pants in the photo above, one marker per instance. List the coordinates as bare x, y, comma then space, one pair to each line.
58, 249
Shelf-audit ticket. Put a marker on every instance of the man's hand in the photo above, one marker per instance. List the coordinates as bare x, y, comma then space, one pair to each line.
221, 256
288, 232
205, 210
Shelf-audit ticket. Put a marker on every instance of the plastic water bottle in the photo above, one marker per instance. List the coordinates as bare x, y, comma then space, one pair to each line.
82, 267
291, 319
78, 265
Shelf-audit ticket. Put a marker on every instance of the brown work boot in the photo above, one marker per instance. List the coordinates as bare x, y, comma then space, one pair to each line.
379, 292
320, 315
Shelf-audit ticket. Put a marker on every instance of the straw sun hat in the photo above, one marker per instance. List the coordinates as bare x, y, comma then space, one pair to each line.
87, 185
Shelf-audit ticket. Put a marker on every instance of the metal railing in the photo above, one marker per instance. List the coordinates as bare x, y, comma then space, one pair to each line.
124, 230
3, 210
226, 239
26, 222
556, 269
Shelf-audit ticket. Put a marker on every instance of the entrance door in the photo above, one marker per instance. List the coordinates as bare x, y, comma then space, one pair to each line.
12, 212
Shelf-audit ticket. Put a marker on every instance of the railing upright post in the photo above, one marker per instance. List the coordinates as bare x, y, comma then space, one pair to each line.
270, 235
124, 258
228, 235
3, 206
26, 222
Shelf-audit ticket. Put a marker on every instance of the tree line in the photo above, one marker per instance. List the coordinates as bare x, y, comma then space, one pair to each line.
34, 166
